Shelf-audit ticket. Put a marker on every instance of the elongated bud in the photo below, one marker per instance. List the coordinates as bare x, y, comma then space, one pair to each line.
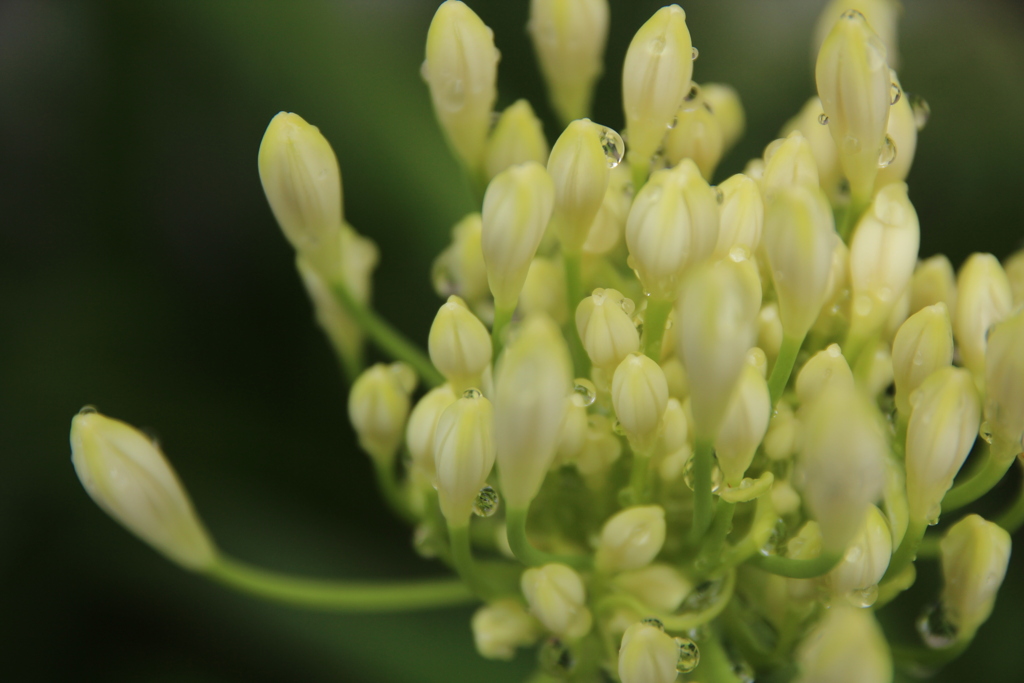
923, 344
933, 281
983, 299
741, 219
502, 626
672, 225
569, 38
825, 370
847, 646
728, 110
659, 586
461, 70
459, 344
864, 562
464, 454
943, 426
789, 161
655, 77
460, 268
717, 319
419, 432
127, 475
842, 463
533, 382
697, 135
902, 131
639, 394
631, 538
606, 328
647, 655
975, 554
826, 156
377, 407
1004, 373
610, 221
518, 137
517, 207
1014, 267
799, 237
557, 598
579, 168
744, 425
856, 93
882, 15
544, 290
302, 182
769, 331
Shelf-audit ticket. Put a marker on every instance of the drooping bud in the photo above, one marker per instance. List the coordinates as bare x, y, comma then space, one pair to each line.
517, 207
717, 319
744, 425
631, 539
533, 382
975, 554
825, 369
826, 156
569, 38
610, 222
902, 131
847, 646
742, 216
459, 344
647, 655
502, 626
787, 162
728, 110
579, 168
639, 394
419, 432
1004, 375
127, 475
463, 454
933, 281
696, 135
460, 268
518, 137
377, 407
606, 328
923, 344
461, 70
544, 290
557, 597
983, 299
655, 77
864, 562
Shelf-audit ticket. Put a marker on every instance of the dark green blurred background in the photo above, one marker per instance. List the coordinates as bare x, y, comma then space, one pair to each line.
140, 270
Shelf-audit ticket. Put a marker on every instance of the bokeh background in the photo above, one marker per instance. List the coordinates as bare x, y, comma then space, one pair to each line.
141, 271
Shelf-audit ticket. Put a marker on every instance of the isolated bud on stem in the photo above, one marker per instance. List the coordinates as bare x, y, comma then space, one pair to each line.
847, 646
741, 217
463, 454
557, 598
647, 655
655, 78
127, 475
639, 394
419, 432
459, 344
518, 137
579, 168
631, 539
975, 554
569, 38
606, 328
502, 626
789, 161
744, 425
517, 207
864, 562
826, 369
923, 344
377, 407
1004, 400
983, 299
933, 281
461, 70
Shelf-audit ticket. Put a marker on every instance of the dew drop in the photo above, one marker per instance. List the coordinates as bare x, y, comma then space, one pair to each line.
584, 393
739, 254
895, 92
775, 538
985, 432
472, 393
932, 516
613, 146
694, 53
936, 630
689, 655
852, 14
693, 94
888, 153
555, 658
618, 428
823, 119
719, 195
863, 597
655, 622
486, 502
673, 123
922, 111
628, 307
656, 45
88, 410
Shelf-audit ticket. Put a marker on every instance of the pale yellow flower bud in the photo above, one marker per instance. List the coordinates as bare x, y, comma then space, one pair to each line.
783, 435
461, 70
847, 646
984, 298
900, 313
533, 382
463, 455
502, 626
933, 281
741, 219
923, 344
460, 268
673, 224
717, 319
517, 207
675, 432
127, 475
769, 331
518, 137
825, 369
805, 545
631, 539
675, 375
557, 597
744, 425
579, 168
601, 449
785, 499
902, 130
573, 436
856, 93
975, 554
610, 222
879, 375
882, 15
1014, 267
660, 586
823, 147
799, 238
946, 413
647, 655
725, 104
864, 562
789, 161
894, 500
640, 395
544, 290
655, 78
1004, 400
606, 328
377, 407
459, 344
696, 135
419, 432
569, 38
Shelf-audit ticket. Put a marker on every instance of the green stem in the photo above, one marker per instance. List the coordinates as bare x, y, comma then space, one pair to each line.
797, 569
890, 590
502, 317
703, 501
638, 477
850, 218
980, 481
391, 491
339, 596
462, 558
783, 367
387, 337
515, 526
928, 656
654, 326
757, 536
1013, 517
715, 665
574, 293
907, 551
640, 173
711, 550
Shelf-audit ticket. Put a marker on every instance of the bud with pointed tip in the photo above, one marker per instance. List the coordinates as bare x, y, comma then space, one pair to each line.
459, 344
789, 161
127, 475
463, 455
655, 78
1004, 400
983, 299
882, 15
544, 290
502, 626
518, 137
847, 646
825, 369
923, 344
419, 432
606, 329
517, 207
866, 559
728, 110
975, 554
557, 597
696, 135
933, 281
377, 407
460, 268
610, 221
823, 147
461, 70
639, 394
744, 425
631, 539
579, 168
741, 217
902, 130
660, 586
647, 655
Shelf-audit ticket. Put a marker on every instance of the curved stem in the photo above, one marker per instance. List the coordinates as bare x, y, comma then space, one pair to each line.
703, 501
907, 551
515, 526
979, 482
338, 596
890, 590
1013, 517
783, 367
929, 657
502, 317
462, 558
654, 327
797, 569
757, 536
387, 337
574, 294
715, 663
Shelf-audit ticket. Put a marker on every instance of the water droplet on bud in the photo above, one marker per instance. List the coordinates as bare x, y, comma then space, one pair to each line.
985, 432
863, 597
689, 655
613, 146
936, 630
652, 621
694, 53
922, 111
88, 410
823, 119
584, 393
888, 153
896, 92
472, 393
486, 502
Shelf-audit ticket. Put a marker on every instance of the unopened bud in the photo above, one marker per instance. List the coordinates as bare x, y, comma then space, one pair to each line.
606, 328
1004, 400
518, 137
933, 281
610, 222
783, 435
769, 331
744, 425
728, 110
459, 344
639, 394
847, 646
460, 268
579, 168
647, 655
631, 539
502, 626
742, 216
696, 135
865, 560
825, 369
984, 298
419, 432
882, 15
902, 131
788, 162
557, 597
463, 455
659, 586
923, 344
601, 448
823, 147
377, 407
544, 290
975, 554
